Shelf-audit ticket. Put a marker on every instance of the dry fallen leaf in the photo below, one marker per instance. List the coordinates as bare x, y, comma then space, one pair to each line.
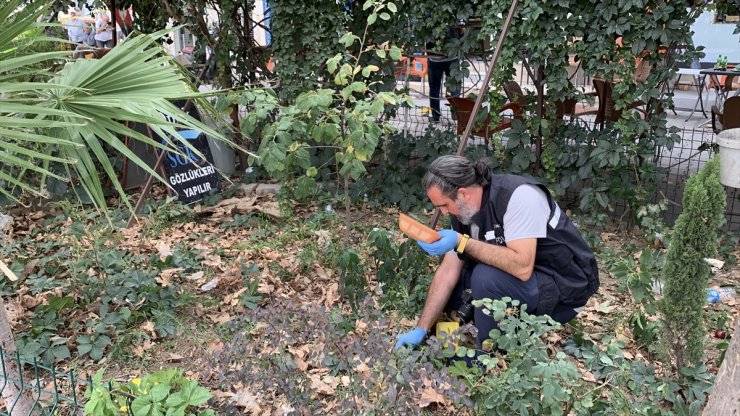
320, 386
195, 276
172, 357
429, 396
245, 399
164, 250
221, 319
589, 376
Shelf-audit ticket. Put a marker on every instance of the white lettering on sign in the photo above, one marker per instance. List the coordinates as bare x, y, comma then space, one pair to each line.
179, 178
197, 189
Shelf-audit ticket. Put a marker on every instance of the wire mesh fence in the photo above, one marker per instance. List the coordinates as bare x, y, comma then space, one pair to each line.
30, 388
678, 163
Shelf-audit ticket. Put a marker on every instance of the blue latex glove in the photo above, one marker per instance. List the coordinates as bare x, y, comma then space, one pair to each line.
411, 338
448, 242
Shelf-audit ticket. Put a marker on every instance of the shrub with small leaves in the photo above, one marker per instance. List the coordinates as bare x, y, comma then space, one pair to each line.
685, 275
526, 379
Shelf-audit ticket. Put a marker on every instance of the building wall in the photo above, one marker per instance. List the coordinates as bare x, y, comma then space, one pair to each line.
717, 38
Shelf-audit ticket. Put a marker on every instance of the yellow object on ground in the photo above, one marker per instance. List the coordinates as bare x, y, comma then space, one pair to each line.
446, 329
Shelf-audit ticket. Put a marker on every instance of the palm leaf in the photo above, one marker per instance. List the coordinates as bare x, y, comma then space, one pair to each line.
82, 112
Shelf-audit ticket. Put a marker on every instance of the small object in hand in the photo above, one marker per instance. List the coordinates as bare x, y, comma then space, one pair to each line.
416, 230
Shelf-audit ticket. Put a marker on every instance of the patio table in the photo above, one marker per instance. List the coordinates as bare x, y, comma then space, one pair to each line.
699, 84
722, 92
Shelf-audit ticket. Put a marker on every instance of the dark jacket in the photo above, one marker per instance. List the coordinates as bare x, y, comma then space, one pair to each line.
566, 265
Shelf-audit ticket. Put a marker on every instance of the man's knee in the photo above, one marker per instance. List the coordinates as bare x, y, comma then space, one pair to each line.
493, 283
488, 282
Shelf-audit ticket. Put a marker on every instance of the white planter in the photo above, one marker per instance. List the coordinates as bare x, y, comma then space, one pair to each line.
729, 157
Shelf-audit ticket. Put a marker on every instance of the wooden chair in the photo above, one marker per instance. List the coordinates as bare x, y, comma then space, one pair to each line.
568, 107
607, 110
728, 117
463, 107
515, 94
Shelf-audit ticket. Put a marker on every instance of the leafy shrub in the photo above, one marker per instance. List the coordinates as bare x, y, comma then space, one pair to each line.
165, 392
685, 274
396, 178
402, 270
527, 380
633, 386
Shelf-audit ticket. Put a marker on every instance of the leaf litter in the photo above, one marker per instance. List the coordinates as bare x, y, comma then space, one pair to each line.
219, 285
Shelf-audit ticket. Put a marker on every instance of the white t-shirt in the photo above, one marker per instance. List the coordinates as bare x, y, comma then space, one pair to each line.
527, 214
105, 35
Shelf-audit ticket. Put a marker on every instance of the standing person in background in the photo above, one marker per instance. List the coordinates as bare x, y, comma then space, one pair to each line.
104, 32
439, 68
74, 26
88, 42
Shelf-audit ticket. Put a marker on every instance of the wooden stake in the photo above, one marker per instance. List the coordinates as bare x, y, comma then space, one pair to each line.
484, 90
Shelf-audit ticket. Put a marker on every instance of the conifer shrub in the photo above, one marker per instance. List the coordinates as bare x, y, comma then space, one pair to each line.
685, 274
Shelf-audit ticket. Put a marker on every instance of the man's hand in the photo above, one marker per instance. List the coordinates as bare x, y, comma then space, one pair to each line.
447, 242
411, 338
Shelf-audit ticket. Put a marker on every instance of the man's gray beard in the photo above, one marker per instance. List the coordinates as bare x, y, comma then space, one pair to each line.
466, 214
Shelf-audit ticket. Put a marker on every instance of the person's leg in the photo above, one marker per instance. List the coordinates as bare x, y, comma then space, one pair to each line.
448, 65
109, 43
455, 301
435, 72
490, 282
563, 314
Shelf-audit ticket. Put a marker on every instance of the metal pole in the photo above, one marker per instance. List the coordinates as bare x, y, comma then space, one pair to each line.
484, 90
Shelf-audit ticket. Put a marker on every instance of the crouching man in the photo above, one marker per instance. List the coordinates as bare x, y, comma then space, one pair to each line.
508, 238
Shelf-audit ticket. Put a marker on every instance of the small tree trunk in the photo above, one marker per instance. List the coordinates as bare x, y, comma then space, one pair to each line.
725, 397
11, 394
347, 213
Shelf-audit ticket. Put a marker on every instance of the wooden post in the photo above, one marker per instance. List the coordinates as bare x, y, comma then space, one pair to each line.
113, 16
483, 91
725, 397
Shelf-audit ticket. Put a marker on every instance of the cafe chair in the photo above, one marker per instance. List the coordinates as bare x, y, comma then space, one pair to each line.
515, 94
463, 107
607, 107
728, 117
568, 107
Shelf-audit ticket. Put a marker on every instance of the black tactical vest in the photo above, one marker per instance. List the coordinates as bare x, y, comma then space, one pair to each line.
566, 265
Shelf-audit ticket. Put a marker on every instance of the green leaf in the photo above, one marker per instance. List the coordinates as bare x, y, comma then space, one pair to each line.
195, 394
159, 392
385, 16
395, 53
372, 18
392, 7
347, 40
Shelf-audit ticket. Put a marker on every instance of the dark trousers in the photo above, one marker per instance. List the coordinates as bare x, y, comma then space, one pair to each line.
437, 71
489, 282
104, 44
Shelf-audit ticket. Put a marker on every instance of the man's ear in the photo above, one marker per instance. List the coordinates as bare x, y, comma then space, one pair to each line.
463, 194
